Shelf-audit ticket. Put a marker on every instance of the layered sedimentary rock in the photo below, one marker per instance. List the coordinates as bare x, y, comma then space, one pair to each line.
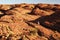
30, 22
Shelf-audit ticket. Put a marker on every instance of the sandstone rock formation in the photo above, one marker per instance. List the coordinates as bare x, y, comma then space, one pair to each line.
30, 22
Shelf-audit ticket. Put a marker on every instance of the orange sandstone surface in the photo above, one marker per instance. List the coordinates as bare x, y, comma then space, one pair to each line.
30, 22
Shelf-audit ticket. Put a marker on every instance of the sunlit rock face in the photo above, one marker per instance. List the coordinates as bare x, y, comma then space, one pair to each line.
30, 22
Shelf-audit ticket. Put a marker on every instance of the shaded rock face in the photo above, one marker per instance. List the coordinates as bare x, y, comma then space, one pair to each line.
30, 22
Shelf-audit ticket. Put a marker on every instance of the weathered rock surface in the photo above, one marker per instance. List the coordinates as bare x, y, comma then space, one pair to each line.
30, 22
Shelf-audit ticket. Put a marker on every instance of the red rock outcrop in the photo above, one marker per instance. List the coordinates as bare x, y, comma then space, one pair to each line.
30, 22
